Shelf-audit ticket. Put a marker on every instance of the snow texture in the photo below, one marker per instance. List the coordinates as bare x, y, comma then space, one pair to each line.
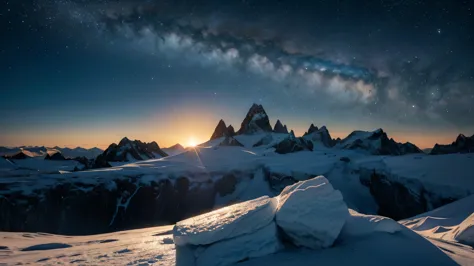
358, 224
260, 243
228, 222
452, 223
311, 213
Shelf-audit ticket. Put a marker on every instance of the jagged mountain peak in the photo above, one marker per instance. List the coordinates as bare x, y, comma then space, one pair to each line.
221, 130
256, 120
128, 150
280, 128
462, 144
377, 142
320, 135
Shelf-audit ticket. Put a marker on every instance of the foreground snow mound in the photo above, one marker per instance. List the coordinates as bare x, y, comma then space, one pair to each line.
260, 243
465, 232
311, 213
359, 224
229, 222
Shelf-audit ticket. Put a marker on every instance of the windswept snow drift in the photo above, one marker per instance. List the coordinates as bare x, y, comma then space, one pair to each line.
452, 223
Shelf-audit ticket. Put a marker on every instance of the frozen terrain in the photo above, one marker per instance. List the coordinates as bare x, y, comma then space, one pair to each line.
210, 176
233, 241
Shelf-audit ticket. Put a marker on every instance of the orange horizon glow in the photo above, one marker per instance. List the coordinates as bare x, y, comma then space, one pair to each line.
167, 138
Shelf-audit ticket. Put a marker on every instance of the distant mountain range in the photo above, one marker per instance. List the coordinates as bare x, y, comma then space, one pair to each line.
35, 151
256, 121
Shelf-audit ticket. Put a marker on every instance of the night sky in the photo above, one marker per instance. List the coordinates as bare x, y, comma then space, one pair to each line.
90, 72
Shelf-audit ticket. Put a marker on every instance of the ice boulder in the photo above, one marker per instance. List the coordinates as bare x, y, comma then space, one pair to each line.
229, 222
465, 232
358, 224
260, 243
311, 213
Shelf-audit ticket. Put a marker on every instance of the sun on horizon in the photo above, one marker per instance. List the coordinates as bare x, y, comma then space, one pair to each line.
192, 142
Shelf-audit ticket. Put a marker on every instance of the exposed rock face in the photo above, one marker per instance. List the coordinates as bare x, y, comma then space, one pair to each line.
279, 128
230, 131
56, 156
128, 150
220, 131
311, 129
293, 144
255, 121
319, 136
401, 200
462, 144
377, 143
230, 141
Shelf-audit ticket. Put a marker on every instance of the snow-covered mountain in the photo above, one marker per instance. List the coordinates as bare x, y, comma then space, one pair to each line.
129, 151
173, 150
376, 143
462, 144
319, 136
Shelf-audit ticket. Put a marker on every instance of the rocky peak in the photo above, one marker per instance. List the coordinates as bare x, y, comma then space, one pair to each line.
230, 131
311, 129
128, 150
124, 141
54, 156
319, 135
462, 144
279, 128
220, 130
378, 143
256, 120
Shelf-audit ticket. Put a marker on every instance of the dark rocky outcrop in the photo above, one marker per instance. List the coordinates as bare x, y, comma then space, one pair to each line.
230, 141
220, 130
255, 121
462, 144
292, 144
311, 129
230, 131
280, 128
126, 150
54, 156
399, 200
377, 143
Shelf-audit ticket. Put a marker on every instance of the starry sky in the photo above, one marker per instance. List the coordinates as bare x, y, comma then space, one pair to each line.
86, 73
